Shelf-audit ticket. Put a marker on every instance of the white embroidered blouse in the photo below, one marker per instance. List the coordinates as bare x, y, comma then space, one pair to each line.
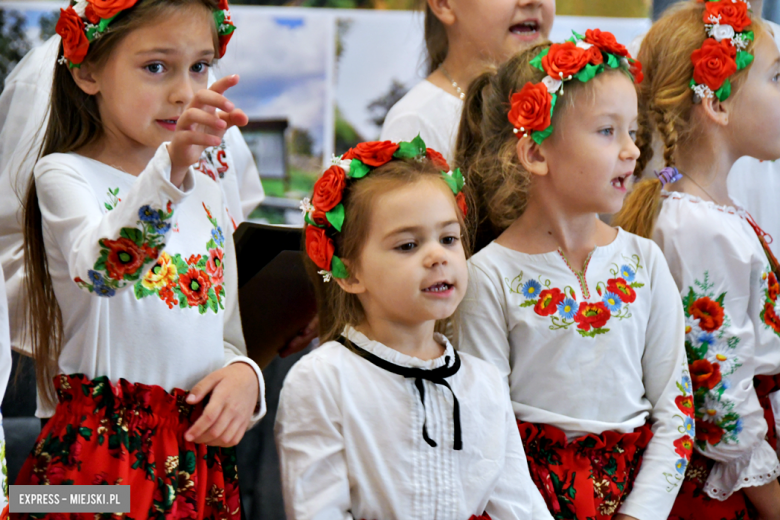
589, 352
351, 446
144, 272
733, 333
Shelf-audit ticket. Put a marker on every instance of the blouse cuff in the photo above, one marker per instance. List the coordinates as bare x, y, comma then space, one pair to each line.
260, 409
757, 469
162, 164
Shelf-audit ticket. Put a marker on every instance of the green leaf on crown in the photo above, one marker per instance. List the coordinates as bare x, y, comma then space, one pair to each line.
743, 59
612, 61
410, 150
336, 217
724, 91
310, 222
358, 170
337, 268
539, 137
578, 35
589, 72
537, 61
454, 181
693, 83
103, 25
749, 35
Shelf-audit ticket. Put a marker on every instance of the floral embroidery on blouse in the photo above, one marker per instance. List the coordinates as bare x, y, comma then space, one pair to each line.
113, 199
122, 260
712, 358
771, 309
591, 317
197, 281
213, 161
683, 446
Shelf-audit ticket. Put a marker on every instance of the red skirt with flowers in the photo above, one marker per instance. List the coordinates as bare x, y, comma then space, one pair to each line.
588, 477
133, 434
693, 503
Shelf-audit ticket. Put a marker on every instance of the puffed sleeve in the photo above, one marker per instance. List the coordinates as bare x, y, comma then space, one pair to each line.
250, 188
717, 271
108, 252
310, 442
667, 388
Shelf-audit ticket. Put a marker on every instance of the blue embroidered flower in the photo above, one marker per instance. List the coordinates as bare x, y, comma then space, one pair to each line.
725, 383
612, 301
219, 238
686, 384
161, 226
705, 337
738, 426
567, 308
680, 465
148, 214
627, 273
95, 277
104, 290
689, 425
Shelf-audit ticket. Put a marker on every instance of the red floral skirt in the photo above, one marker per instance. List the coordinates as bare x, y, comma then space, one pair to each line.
133, 434
693, 503
588, 477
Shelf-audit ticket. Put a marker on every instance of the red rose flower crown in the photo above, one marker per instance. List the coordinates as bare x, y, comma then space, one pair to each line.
84, 21
324, 213
723, 53
580, 57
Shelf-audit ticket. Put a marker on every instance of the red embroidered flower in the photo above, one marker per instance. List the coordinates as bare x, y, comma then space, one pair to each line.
74, 41
195, 285
731, 13
771, 318
605, 41
684, 446
708, 432
124, 257
685, 404
460, 198
375, 153
531, 108
319, 247
329, 188
593, 315
708, 312
437, 159
713, 63
107, 9
548, 302
622, 288
214, 265
704, 373
564, 60
773, 288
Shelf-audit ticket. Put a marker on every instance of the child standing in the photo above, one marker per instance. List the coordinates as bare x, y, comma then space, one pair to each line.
582, 319
713, 92
131, 266
386, 419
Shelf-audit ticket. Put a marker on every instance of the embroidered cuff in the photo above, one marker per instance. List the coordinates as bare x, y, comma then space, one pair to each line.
759, 467
260, 409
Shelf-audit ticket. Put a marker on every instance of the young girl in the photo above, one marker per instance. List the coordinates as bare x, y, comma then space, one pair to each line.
5, 372
713, 95
131, 266
460, 35
581, 319
386, 419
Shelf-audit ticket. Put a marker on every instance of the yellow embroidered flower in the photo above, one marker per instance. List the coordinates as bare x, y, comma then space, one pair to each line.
162, 274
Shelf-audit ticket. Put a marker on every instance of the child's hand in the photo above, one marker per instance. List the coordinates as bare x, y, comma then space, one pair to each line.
233, 400
203, 125
766, 498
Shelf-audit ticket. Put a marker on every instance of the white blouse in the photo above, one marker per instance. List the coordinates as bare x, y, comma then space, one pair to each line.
733, 333
351, 445
589, 352
5, 347
144, 272
429, 111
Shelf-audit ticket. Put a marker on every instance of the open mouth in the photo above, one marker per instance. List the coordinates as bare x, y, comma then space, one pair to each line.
439, 287
620, 182
527, 28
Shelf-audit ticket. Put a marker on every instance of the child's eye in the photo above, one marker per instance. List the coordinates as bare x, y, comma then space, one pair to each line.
632, 134
776, 77
155, 68
448, 241
607, 131
407, 246
200, 67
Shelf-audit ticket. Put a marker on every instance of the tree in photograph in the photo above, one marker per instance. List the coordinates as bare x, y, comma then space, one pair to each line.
13, 41
382, 105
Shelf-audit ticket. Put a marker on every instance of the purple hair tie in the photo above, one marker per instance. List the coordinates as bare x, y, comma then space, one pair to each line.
668, 174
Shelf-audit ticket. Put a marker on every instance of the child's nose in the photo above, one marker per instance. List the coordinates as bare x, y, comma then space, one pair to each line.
182, 91
436, 256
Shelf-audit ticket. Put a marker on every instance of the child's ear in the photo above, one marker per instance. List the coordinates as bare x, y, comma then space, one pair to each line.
352, 283
532, 157
85, 79
443, 11
716, 110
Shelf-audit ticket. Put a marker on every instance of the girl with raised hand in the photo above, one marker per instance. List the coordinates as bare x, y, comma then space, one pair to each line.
131, 267
386, 419
582, 319
461, 36
712, 95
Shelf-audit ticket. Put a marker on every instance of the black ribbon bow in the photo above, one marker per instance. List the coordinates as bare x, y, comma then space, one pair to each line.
436, 376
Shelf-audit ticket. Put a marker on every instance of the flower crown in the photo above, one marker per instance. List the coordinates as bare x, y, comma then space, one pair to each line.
84, 21
723, 53
580, 57
324, 213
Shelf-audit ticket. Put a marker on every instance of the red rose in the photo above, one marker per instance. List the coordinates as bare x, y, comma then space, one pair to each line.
548, 302
635, 68
564, 60
531, 108
713, 63
223, 5
106, 9
74, 41
124, 257
92, 17
704, 373
708, 312
375, 153
708, 432
195, 285
596, 58
622, 289
773, 287
771, 318
461, 200
684, 446
731, 13
437, 159
319, 247
329, 188
318, 217
593, 315
605, 41
685, 404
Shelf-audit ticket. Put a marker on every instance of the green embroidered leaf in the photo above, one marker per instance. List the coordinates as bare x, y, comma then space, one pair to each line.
201, 265
637, 285
720, 299
537, 61
100, 265
743, 59
136, 235
724, 91
139, 291
188, 462
202, 309
528, 303
612, 61
410, 150
213, 305
592, 333
181, 265
211, 244
338, 268
539, 137
336, 217
358, 170
108, 206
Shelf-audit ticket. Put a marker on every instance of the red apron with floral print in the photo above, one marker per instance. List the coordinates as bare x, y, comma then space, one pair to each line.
588, 477
693, 503
133, 434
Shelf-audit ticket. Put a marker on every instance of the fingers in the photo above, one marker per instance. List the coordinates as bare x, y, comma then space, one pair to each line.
209, 100
194, 116
221, 85
203, 387
235, 118
206, 420
191, 137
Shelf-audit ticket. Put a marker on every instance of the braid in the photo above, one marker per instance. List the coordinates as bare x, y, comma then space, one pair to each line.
644, 141
668, 130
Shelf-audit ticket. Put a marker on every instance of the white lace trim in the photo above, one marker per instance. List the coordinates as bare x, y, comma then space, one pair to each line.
731, 210
747, 477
